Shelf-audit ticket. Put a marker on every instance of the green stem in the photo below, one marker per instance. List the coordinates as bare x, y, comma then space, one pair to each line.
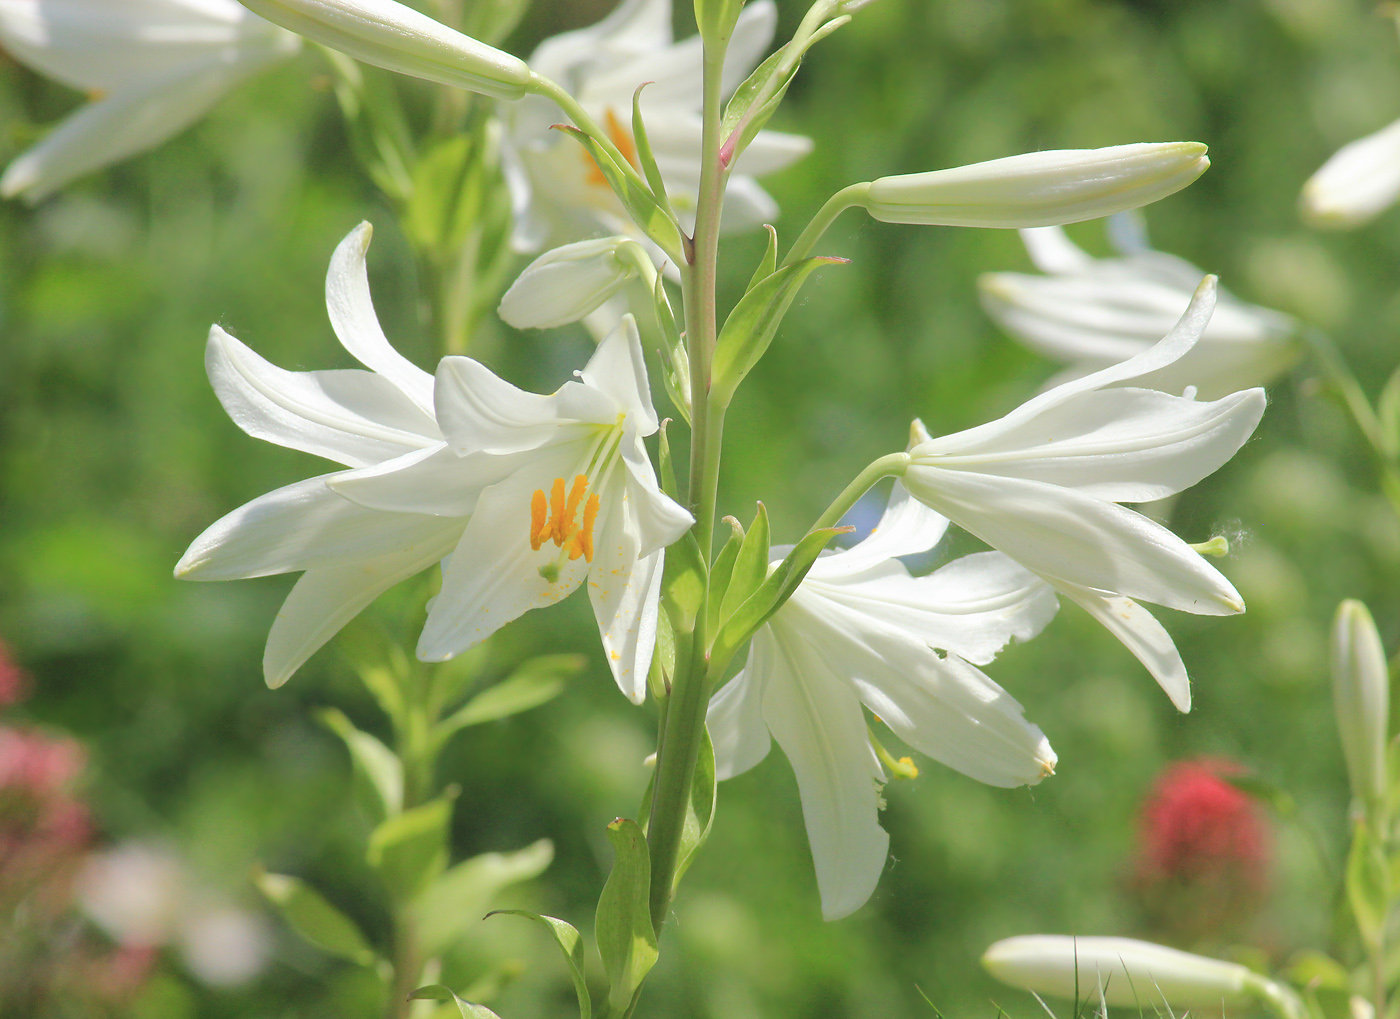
1351, 392
894, 463
847, 198
541, 85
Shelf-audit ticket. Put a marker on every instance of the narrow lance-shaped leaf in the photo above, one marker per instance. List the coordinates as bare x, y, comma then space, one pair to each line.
534, 683
626, 938
750, 567
645, 155
378, 772
771, 595
723, 569
458, 898
754, 321
1367, 883
768, 264
649, 215
315, 919
409, 851
676, 368
570, 942
440, 992
699, 810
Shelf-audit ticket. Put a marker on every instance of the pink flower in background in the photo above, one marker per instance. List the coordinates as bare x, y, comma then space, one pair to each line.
1204, 850
14, 681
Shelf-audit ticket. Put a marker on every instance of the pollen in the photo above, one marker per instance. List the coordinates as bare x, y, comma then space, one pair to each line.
620, 137
555, 517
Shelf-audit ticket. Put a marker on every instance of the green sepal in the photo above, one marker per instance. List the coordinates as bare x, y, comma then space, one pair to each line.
457, 899
309, 914
439, 992
533, 683
723, 569
570, 942
699, 809
1368, 883
409, 850
645, 156
675, 368
377, 770
648, 213
752, 324
626, 938
770, 596
750, 566
768, 264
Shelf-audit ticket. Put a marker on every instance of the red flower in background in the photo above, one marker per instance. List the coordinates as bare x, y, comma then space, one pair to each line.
1203, 853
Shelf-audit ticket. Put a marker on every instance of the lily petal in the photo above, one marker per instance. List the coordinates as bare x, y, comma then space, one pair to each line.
907, 527
435, 481
625, 588
735, 714
1141, 634
618, 368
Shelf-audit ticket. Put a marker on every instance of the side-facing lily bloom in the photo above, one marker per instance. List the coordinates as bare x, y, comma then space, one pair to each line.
558, 490
861, 629
1093, 312
1361, 180
152, 67
1043, 485
558, 192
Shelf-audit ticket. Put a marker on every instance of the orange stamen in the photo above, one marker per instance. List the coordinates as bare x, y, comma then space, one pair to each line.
539, 521
556, 510
566, 523
585, 536
622, 138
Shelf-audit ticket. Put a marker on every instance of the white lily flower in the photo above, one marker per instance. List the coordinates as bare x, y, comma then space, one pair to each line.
558, 490
1091, 313
350, 554
152, 67
560, 195
860, 629
1043, 485
568, 283
1127, 972
395, 36
1038, 188
1361, 180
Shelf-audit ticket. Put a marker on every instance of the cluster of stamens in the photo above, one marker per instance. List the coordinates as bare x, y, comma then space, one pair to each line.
554, 518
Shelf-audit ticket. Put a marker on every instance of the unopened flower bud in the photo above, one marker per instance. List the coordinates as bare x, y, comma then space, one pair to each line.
565, 284
1358, 182
1361, 698
397, 37
1128, 972
1039, 188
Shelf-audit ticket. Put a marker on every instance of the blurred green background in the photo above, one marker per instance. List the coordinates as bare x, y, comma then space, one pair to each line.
114, 454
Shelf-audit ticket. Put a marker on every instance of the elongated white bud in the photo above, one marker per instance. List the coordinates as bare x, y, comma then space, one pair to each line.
1039, 188
395, 36
1361, 698
1359, 181
1129, 972
565, 284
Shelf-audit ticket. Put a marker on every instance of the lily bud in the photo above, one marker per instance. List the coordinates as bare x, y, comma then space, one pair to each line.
1038, 188
395, 36
1129, 972
1361, 698
1357, 183
565, 284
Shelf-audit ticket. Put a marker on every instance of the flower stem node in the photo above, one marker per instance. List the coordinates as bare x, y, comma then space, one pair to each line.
1038, 188
397, 37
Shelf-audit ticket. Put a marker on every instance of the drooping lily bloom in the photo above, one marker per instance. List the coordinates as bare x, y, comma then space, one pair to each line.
1043, 485
153, 67
1090, 313
560, 195
1359, 182
861, 630
527, 494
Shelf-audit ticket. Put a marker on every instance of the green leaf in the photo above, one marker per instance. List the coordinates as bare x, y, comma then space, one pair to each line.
438, 992
769, 263
699, 809
571, 944
431, 217
458, 898
754, 321
378, 772
649, 215
1312, 968
663, 659
675, 372
626, 938
1368, 883
666, 464
723, 569
750, 567
683, 582
770, 596
645, 156
534, 683
315, 919
409, 851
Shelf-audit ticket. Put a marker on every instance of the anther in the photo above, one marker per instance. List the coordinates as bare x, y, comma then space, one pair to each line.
556, 510
539, 520
585, 536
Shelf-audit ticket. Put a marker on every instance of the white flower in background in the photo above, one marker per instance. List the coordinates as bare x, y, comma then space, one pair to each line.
560, 195
861, 629
567, 283
349, 554
1127, 972
1090, 313
1361, 700
1360, 181
1043, 485
152, 67
559, 491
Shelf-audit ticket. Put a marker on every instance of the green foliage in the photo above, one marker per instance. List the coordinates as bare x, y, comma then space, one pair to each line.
409, 850
570, 942
438, 992
457, 898
315, 919
626, 938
